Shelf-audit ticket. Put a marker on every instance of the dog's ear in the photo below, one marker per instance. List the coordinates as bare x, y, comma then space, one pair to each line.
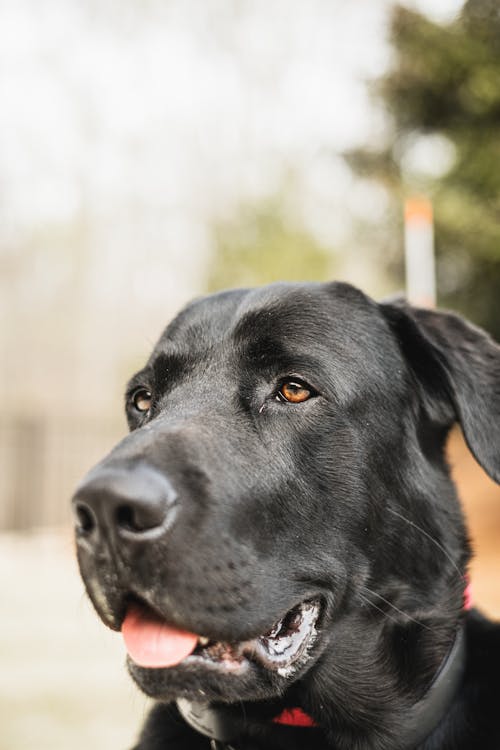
458, 366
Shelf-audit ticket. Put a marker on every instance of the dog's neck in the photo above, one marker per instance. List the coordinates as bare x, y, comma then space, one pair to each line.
225, 729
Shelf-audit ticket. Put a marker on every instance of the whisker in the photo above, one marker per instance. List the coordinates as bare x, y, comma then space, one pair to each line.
431, 538
372, 604
390, 604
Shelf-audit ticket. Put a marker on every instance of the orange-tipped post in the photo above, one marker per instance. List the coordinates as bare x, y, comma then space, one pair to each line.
419, 252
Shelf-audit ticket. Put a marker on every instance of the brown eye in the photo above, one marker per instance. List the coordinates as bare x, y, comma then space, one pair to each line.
141, 400
294, 393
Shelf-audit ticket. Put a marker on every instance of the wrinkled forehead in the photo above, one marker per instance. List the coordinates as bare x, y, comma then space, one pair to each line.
330, 327
277, 312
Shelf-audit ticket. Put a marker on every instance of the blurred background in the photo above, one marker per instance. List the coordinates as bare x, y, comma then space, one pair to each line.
153, 151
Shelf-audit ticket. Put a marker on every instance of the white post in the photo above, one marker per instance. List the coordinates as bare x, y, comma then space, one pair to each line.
419, 252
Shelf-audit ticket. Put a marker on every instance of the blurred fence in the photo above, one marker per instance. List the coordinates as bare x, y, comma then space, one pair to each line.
41, 461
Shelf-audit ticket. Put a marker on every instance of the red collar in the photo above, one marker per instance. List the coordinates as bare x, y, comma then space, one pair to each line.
221, 728
294, 717
468, 602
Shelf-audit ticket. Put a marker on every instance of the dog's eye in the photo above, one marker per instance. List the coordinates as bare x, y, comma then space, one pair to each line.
294, 392
141, 400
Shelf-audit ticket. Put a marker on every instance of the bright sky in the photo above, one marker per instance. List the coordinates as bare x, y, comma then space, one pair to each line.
189, 104
186, 94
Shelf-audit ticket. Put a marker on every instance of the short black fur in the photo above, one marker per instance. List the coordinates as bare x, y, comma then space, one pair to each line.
344, 499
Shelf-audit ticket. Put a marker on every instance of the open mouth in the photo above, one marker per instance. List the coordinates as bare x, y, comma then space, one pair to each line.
154, 644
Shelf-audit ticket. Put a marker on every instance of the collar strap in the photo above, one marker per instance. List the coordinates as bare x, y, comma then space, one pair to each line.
423, 717
209, 721
222, 728
426, 714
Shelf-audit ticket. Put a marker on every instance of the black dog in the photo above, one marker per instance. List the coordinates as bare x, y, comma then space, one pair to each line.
279, 539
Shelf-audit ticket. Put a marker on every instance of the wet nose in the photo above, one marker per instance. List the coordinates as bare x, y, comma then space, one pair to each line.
132, 503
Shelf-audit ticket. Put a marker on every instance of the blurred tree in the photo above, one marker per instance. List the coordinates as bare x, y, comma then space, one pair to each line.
262, 244
442, 94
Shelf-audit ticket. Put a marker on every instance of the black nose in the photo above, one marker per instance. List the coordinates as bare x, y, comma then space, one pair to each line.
131, 502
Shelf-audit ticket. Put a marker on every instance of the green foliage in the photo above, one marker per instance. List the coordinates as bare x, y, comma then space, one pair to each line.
261, 244
445, 79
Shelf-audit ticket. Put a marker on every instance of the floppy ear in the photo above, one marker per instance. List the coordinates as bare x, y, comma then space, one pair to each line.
458, 365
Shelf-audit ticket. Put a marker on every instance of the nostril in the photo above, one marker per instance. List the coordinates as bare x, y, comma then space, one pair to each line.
125, 518
141, 516
85, 519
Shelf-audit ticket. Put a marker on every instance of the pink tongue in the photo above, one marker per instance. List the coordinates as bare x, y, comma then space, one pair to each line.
150, 642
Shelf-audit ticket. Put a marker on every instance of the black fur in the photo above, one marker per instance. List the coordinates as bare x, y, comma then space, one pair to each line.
345, 498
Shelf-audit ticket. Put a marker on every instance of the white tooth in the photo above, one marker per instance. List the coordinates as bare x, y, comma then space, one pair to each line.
203, 641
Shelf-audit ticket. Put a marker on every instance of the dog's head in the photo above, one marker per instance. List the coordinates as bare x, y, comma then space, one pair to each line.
281, 512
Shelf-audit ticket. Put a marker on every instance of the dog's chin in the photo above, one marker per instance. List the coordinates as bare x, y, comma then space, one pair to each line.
254, 669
